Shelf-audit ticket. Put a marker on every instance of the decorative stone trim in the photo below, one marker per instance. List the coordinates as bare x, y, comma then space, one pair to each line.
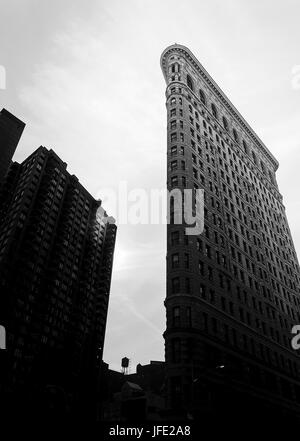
176, 48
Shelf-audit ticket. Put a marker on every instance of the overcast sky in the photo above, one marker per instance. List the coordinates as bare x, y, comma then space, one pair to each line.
85, 77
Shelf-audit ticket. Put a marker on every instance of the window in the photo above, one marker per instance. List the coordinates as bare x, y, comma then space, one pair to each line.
189, 316
176, 316
254, 157
174, 181
235, 135
175, 238
199, 245
173, 101
202, 96
173, 165
175, 285
175, 260
174, 67
187, 286
186, 260
214, 325
214, 110
223, 303
245, 146
189, 82
225, 123
206, 230
201, 267
176, 350
208, 251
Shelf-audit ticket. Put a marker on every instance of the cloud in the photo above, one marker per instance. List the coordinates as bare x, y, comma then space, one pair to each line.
85, 77
93, 114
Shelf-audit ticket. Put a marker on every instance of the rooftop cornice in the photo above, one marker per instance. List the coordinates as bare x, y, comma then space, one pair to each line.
179, 49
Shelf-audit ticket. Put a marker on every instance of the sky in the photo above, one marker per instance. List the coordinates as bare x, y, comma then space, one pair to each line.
85, 78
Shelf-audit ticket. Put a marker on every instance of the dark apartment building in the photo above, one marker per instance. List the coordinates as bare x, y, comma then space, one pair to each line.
232, 291
11, 129
56, 257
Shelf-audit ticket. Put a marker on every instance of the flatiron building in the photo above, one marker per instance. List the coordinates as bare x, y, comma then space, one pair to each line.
232, 291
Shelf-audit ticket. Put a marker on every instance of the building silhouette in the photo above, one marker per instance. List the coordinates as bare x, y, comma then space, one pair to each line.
11, 129
232, 291
56, 258
133, 397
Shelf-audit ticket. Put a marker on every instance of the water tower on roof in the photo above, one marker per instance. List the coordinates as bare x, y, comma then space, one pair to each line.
125, 365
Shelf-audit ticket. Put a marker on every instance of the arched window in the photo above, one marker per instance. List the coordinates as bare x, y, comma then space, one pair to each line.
174, 68
235, 135
189, 82
214, 110
225, 123
202, 96
262, 166
245, 146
